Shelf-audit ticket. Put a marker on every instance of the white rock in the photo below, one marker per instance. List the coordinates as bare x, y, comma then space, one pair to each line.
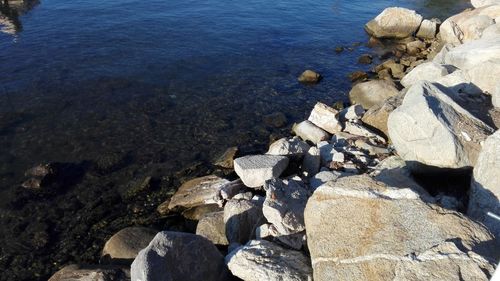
311, 162
308, 131
254, 170
263, 260
492, 31
353, 112
428, 71
495, 99
326, 151
288, 147
482, 3
394, 23
473, 53
485, 76
427, 29
338, 157
427, 128
360, 130
325, 118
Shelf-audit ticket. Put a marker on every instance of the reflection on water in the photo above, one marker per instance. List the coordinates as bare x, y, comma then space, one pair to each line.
10, 11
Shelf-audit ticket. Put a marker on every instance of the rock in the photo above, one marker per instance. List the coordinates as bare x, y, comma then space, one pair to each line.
365, 59
76, 272
485, 75
212, 227
360, 130
241, 218
163, 209
377, 116
473, 53
254, 170
309, 76
311, 162
263, 260
485, 189
310, 132
415, 47
368, 94
179, 256
382, 225
394, 23
339, 49
482, 3
284, 205
326, 152
197, 192
431, 129
288, 147
230, 190
323, 177
495, 99
428, 71
226, 160
325, 118
372, 149
491, 32
427, 29
353, 112
196, 213
277, 120
358, 76
342, 139
126, 243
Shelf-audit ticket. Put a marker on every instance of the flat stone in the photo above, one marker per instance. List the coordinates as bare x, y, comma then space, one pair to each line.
473, 53
368, 94
197, 192
307, 131
288, 147
212, 227
394, 22
254, 170
126, 243
198, 212
325, 118
360, 130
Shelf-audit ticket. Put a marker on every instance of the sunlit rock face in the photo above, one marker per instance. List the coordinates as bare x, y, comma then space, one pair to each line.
10, 11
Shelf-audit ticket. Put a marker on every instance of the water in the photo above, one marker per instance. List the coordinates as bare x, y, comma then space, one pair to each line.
121, 90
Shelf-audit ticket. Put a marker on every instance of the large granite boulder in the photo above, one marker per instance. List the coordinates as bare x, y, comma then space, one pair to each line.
473, 53
212, 227
126, 243
241, 218
361, 229
431, 129
372, 93
485, 75
263, 260
75, 272
394, 22
254, 170
428, 71
179, 256
485, 190
197, 192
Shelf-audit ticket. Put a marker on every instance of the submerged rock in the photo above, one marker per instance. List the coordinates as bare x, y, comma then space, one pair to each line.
197, 192
371, 93
394, 22
126, 243
277, 119
254, 170
309, 76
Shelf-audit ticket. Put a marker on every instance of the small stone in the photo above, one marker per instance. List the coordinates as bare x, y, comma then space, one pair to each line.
339, 49
353, 112
322, 177
309, 76
358, 76
368, 94
254, 170
126, 243
365, 59
310, 132
197, 192
276, 120
359, 130
226, 160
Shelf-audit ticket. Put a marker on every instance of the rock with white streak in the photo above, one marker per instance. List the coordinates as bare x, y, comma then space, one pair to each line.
254, 170
394, 22
263, 260
375, 92
241, 218
197, 192
427, 29
284, 205
431, 129
288, 147
428, 71
326, 118
311, 162
306, 130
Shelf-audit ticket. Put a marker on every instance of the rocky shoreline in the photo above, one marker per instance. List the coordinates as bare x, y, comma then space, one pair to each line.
365, 192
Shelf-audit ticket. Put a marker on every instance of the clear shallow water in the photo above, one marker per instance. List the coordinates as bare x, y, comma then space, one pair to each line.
154, 86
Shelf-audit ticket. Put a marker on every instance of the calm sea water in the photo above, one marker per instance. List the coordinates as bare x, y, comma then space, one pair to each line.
153, 86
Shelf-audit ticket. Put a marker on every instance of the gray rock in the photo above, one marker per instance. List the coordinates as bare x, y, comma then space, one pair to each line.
323, 177
485, 75
178, 256
76, 272
212, 227
325, 118
263, 260
360, 130
126, 243
375, 92
326, 152
284, 205
473, 53
310, 132
394, 23
428, 71
381, 225
288, 147
427, 29
311, 162
230, 189
241, 218
254, 170
431, 129
197, 192
198, 212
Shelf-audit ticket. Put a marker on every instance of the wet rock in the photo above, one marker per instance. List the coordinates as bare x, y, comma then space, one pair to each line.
126, 243
339, 49
76, 272
284, 205
226, 159
163, 209
429, 124
254, 170
368, 94
377, 115
40, 175
393, 225
427, 29
485, 189
323, 177
309, 76
288, 147
264, 260
365, 59
197, 192
428, 71
306, 130
178, 256
212, 227
325, 118
394, 23
198, 212
241, 218
358, 76
277, 119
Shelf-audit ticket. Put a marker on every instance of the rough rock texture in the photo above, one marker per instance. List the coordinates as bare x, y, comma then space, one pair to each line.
495, 98
76, 272
197, 192
360, 130
394, 23
178, 256
430, 128
485, 75
196, 213
473, 53
325, 118
322, 177
212, 227
371, 93
309, 76
482, 3
485, 190
254, 170
241, 218
126, 243
289, 147
381, 227
310, 132
377, 116
311, 162
263, 260
427, 29
284, 205
353, 112
428, 71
